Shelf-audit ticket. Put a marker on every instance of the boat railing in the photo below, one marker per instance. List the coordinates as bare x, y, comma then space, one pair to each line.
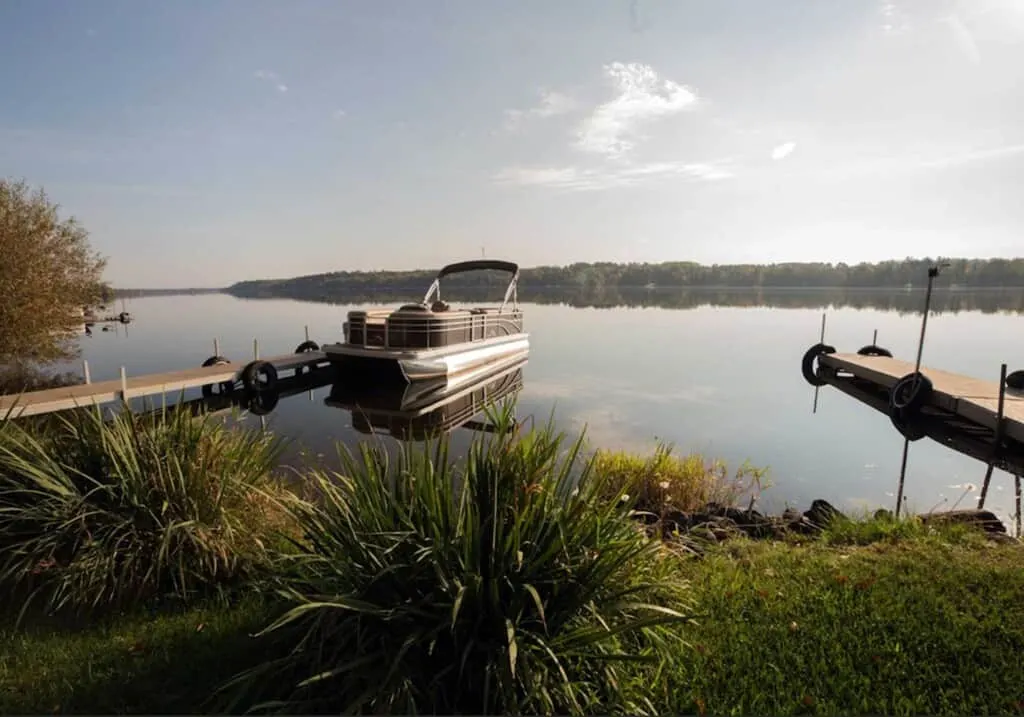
429, 330
511, 291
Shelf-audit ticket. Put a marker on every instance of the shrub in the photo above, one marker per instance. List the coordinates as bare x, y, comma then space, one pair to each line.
665, 481
96, 512
496, 585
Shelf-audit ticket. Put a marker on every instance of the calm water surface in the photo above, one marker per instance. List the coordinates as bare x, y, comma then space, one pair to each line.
724, 381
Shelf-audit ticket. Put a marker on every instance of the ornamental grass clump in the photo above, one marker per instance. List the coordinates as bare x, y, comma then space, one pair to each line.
108, 513
664, 481
505, 583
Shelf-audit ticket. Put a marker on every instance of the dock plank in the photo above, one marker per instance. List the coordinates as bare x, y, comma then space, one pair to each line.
974, 399
98, 392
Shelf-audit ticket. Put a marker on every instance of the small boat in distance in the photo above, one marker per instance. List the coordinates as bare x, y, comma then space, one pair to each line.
431, 339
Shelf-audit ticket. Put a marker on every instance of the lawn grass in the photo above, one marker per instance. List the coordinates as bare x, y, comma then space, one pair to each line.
916, 621
928, 623
164, 663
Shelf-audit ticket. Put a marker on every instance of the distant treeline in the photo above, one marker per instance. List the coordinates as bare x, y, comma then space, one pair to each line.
342, 285
902, 301
138, 293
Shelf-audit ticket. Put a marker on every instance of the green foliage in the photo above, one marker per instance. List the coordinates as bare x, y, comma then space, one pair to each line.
607, 279
922, 625
498, 585
884, 528
20, 377
663, 481
169, 662
96, 513
48, 273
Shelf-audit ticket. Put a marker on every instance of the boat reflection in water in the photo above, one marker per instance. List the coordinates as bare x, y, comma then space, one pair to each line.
413, 411
426, 409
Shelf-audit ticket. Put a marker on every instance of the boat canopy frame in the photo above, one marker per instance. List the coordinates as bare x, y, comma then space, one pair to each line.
475, 265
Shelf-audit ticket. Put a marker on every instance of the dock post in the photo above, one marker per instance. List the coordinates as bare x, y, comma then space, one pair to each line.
997, 437
307, 332
256, 349
903, 475
821, 340
85, 372
216, 347
933, 272
874, 338
1016, 490
124, 385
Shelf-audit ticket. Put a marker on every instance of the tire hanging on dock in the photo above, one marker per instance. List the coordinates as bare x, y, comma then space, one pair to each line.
808, 365
1015, 380
873, 350
911, 429
909, 395
223, 387
257, 370
906, 399
262, 403
303, 348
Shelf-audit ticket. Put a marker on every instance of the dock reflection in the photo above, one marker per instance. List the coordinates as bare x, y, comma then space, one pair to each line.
414, 411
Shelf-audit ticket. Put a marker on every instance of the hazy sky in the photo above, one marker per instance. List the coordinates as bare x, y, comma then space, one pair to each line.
207, 141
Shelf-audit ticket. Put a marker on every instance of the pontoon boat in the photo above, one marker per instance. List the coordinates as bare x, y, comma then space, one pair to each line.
431, 339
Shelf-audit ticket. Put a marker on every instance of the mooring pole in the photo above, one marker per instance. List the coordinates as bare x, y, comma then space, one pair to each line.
85, 371
997, 437
874, 338
933, 271
216, 347
903, 476
1016, 488
821, 340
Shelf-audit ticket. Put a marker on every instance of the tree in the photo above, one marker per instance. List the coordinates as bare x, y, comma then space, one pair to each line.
48, 273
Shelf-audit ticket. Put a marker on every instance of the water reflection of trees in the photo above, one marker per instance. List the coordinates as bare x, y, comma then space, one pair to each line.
902, 302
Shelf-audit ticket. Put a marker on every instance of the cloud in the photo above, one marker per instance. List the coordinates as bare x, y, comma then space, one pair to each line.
551, 104
271, 77
339, 114
963, 38
642, 98
783, 150
977, 155
579, 179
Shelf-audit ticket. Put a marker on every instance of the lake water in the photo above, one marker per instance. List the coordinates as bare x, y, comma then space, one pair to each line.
721, 380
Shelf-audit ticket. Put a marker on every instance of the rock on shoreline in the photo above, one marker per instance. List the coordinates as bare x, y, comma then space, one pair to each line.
719, 522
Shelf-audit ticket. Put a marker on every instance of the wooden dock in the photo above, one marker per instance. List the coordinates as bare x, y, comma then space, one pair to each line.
129, 387
264, 402
970, 398
960, 412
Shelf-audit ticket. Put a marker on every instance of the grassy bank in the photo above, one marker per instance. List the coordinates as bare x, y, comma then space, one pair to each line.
925, 624
171, 574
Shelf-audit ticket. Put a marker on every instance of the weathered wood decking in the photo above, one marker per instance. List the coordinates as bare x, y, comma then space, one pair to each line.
59, 399
973, 399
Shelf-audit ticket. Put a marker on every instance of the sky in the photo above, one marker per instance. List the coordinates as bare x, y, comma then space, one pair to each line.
203, 142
